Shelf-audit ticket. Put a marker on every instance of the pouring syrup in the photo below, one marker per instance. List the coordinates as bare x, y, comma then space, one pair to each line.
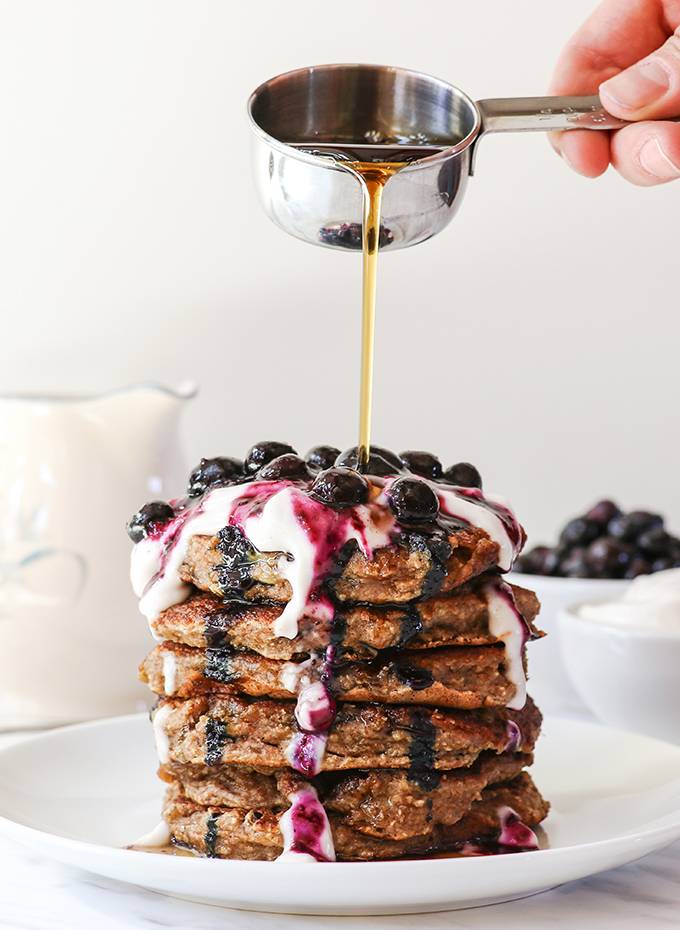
373, 176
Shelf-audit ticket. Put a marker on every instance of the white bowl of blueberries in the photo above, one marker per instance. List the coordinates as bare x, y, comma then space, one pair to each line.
595, 559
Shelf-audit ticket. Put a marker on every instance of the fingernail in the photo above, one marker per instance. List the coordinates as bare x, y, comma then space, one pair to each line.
656, 162
637, 87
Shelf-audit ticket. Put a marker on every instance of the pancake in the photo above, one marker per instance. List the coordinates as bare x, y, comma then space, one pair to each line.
230, 730
457, 677
383, 802
460, 618
418, 565
462, 814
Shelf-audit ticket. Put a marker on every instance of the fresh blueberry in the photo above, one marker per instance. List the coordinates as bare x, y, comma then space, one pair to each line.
463, 475
413, 500
149, 520
340, 487
574, 564
289, 466
211, 472
628, 526
541, 560
602, 512
608, 558
663, 563
656, 542
381, 462
637, 566
263, 452
234, 572
321, 457
422, 463
579, 532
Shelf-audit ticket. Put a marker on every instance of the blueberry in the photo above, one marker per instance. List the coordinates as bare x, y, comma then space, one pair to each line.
340, 487
574, 564
422, 463
637, 566
628, 526
321, 457
285, 466
579, 532
463, 475
149, 520
663, 563
656, 542
348, 235
211, 472
541, 560
234, 572
602, 512
413, 500
608, 558
263, 452
381, 462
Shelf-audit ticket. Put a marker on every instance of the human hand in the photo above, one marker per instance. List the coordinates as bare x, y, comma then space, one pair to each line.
629, 50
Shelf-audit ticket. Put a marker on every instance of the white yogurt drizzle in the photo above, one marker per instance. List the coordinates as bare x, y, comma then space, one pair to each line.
169, 672
293, 672
159, 720
281, 526
513, 832
159, 836
508, 625
304, 826
312, 702
275, 528
314, 712
457, 502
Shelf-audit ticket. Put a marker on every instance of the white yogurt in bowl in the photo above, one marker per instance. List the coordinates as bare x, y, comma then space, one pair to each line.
650, 603
623, 655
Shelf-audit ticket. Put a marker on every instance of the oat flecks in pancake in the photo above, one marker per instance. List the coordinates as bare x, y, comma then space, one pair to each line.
395, 574
254, 833
364, 735
459, 618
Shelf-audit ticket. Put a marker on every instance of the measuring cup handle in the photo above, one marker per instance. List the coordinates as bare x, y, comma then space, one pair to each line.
543, 114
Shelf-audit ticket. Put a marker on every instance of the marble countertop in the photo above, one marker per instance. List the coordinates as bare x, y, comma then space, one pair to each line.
38, 894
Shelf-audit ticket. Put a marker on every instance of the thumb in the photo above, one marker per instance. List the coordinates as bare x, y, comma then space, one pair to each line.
648, 89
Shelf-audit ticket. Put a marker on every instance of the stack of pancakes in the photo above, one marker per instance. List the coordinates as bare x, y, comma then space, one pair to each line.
413, 750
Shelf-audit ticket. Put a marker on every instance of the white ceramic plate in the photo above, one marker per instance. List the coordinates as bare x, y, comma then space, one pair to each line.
81, 793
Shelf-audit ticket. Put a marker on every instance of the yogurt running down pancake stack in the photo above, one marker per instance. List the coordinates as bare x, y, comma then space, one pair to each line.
340, 667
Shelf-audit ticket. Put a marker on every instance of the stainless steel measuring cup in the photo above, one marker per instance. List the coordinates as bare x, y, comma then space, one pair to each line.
375, 112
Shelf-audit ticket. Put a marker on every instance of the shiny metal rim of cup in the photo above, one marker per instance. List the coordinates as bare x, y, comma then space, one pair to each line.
426, 162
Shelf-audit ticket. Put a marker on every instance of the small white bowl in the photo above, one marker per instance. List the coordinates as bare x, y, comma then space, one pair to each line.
629, 679
549, 683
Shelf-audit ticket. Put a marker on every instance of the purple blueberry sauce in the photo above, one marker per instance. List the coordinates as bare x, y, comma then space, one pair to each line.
315, 712
514, 735
515, 835
310, 831
512, 527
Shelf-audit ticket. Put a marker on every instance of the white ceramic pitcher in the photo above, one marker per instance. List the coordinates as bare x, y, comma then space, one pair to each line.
72, 471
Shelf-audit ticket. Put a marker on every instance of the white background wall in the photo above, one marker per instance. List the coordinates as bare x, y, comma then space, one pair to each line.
544, 340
